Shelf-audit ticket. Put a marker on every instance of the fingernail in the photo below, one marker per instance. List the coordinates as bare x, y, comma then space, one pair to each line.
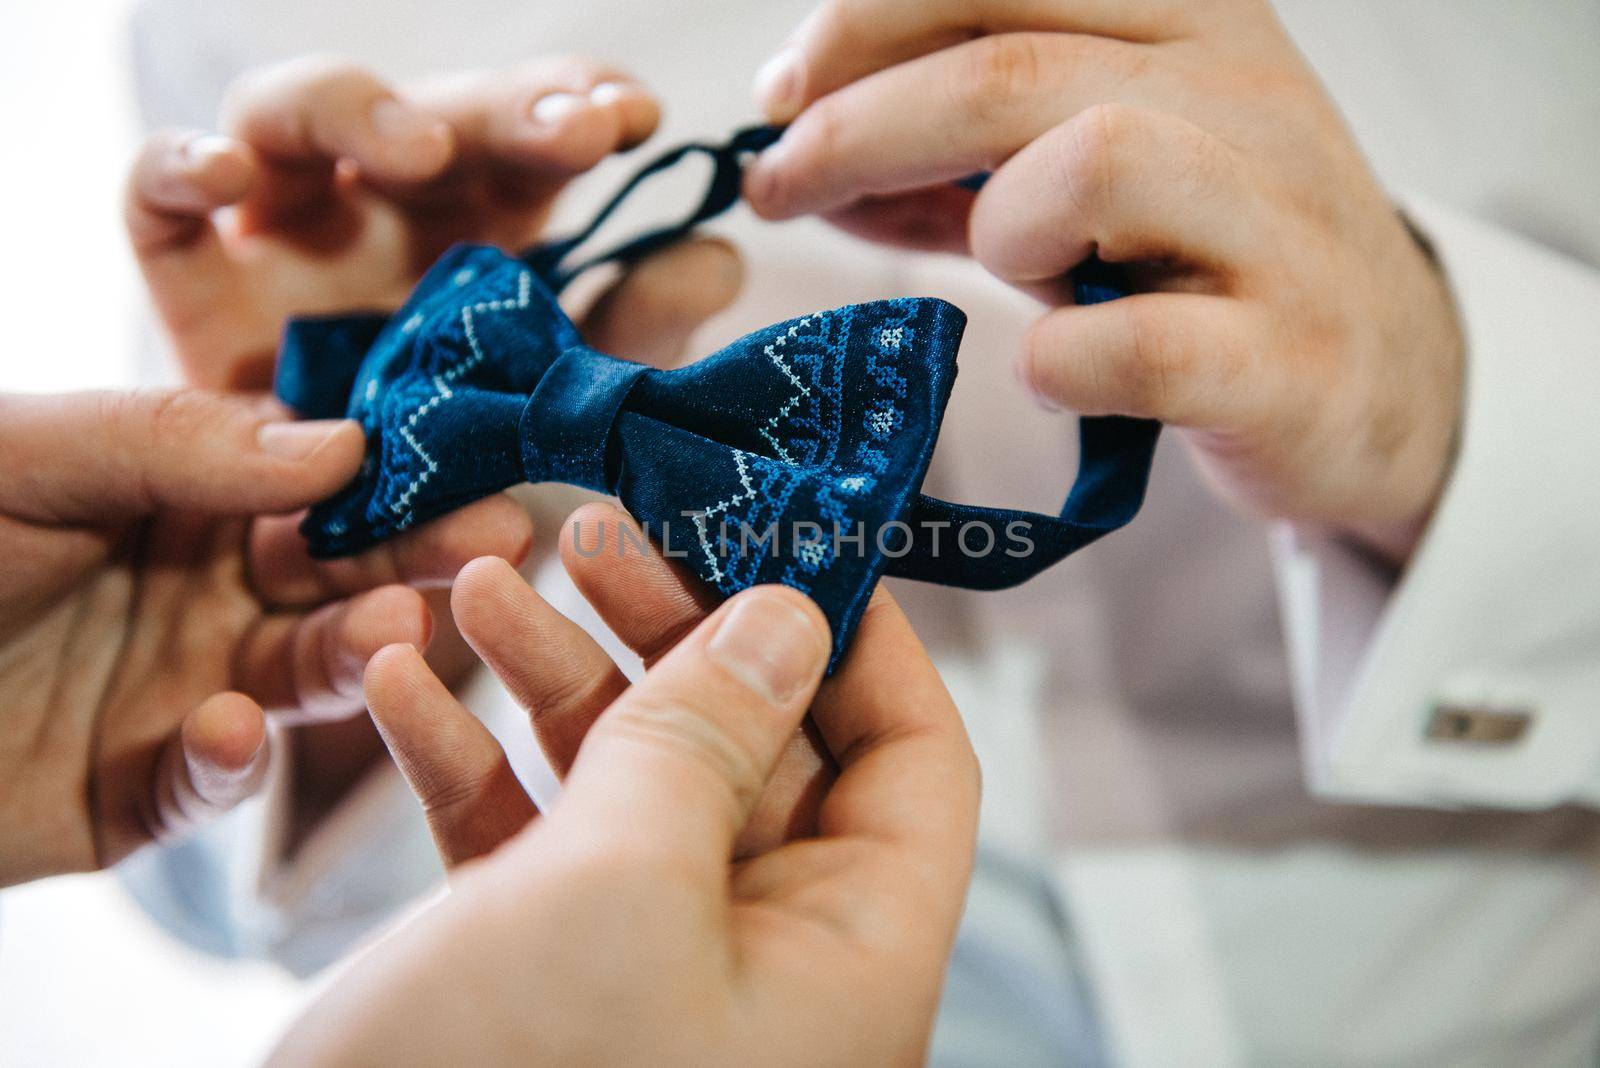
202, 150
777, 86
554, 108
770, 645
762, 186
394, 120
606, 93
296, 441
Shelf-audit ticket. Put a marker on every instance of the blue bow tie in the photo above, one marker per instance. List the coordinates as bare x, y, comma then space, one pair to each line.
794, 455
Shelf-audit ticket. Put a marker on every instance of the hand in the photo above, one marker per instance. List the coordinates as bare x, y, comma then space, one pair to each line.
565, 682
615, 930
156, 602
1288, 321
330, 191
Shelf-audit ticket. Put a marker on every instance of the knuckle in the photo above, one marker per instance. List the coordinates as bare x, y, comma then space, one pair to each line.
837, 24
996, 72
133, 423
565, 694
140, 418
457, 797
675, 729
1092, 152
182, 416
1157, 362
826, 132
321, 73
265, 98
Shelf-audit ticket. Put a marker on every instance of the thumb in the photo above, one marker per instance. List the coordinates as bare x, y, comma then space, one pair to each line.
82, 457
678, 762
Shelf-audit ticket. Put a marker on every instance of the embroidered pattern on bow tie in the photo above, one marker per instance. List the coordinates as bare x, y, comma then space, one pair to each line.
784, 457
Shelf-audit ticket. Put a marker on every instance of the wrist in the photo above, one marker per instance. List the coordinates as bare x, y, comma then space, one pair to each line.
1428, 336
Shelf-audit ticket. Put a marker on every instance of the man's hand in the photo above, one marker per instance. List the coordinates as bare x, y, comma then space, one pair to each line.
1288, 321
622, 927
156, 603
330, 191
565, 681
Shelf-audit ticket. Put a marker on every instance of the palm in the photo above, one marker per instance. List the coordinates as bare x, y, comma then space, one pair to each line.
98, 681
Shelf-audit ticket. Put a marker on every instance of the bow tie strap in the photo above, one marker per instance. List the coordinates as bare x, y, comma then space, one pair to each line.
722, 193
993, 548
1115, 455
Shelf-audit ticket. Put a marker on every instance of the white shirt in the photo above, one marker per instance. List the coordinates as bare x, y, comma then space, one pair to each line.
1220, 768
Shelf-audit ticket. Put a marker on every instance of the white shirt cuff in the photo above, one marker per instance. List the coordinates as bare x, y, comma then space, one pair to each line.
1475, 679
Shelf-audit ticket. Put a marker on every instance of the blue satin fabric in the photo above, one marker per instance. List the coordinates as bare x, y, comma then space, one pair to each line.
794, 455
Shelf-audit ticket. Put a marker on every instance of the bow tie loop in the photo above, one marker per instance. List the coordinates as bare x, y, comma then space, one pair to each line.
568, 427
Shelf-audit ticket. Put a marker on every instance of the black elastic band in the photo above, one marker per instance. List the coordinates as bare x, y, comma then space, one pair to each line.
722, 193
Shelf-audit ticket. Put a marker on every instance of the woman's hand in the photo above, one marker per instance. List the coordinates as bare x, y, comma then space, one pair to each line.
330, 191
1288, 320
156, 602
624, 926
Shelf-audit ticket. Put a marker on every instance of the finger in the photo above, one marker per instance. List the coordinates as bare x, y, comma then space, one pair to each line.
548, 664
926, 220
216, 759
844, 40
284, 574
471, 796
647, 600
83, 457
553, 118
908, 773
178, 179
308, 668
942, 117
1187, 359
1126, 184
311, 112
651, 312
675, 767
650, 603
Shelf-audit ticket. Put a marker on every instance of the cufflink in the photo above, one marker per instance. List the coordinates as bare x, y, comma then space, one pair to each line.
1478, 724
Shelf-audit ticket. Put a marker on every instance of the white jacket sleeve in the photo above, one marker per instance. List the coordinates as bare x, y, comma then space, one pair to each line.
1474, 678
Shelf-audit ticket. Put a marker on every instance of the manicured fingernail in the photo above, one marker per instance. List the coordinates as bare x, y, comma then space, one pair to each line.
777, 86
296, 441
205, 148
770, 645
606, 93
554, 108
394, 120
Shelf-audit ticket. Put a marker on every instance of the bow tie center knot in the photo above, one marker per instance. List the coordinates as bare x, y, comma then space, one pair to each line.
567, 424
